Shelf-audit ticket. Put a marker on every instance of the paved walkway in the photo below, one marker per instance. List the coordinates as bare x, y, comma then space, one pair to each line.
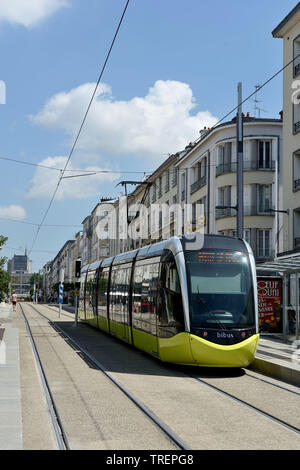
10, 390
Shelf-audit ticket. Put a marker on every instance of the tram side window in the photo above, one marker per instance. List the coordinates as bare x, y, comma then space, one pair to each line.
89, 292
94, 293
82, 292
102, 292
113, 291
170, 308
137, 291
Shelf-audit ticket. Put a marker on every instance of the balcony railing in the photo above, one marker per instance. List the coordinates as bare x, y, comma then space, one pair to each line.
296, 185
263, 254
248, 166
248, 211
198, 184
297, 69
296, 127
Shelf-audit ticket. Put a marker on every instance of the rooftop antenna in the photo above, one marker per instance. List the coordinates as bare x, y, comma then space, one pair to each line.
257, 109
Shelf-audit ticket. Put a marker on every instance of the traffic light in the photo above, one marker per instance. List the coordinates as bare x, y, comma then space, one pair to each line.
77, 268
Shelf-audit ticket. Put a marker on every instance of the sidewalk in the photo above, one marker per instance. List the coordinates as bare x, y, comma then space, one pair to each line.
278, 359
10, 391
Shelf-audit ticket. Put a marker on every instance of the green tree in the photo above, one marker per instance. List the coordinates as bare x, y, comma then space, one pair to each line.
4, 276
37, 279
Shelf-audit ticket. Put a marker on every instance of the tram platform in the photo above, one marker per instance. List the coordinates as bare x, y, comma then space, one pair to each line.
275, 358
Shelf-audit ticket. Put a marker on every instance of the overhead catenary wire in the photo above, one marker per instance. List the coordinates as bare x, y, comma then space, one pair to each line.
90, 103
33, 223
81, 125
258, 88
23, 162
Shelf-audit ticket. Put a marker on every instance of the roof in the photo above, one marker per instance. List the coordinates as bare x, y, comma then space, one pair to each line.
287, 265
285, 21
210, 131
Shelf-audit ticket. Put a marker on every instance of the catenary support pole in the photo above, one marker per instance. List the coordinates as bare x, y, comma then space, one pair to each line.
239, 150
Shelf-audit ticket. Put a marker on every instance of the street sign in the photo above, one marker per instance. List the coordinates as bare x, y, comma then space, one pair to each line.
61, 293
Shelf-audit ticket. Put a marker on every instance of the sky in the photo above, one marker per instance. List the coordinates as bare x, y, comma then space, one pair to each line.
174, 69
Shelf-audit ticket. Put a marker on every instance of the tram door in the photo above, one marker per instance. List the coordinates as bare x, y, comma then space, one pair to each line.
118, 307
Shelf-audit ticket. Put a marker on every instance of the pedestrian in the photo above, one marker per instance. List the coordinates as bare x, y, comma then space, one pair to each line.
14, 299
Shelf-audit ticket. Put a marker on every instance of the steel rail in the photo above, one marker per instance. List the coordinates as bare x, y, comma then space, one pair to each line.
166, 430
60, 435
247, 405
281, 387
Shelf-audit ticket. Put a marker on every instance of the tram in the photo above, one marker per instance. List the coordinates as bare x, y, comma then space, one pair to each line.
181, 304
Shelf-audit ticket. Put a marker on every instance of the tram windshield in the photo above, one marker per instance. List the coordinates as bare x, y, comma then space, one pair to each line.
220, 289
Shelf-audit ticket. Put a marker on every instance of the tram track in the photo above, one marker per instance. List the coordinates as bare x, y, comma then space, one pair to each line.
249, 406
61, 438
162, 426
168, 432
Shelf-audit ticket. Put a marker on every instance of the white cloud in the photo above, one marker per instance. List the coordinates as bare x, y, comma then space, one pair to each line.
28, 12
44, 181
161, 122
13, 212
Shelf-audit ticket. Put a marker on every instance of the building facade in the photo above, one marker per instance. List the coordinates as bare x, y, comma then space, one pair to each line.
289, 31
208, 173
20, 269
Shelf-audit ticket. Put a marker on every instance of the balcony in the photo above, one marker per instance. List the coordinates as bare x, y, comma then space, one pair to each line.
198, 184
248, 166
296, 185
248, 211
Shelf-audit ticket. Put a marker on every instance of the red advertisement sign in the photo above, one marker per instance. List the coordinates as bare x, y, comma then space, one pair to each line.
269, 292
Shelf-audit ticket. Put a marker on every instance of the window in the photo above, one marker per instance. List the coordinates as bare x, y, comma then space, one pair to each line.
264, 198
220, 289
159, 187
296, 161
89, 294
264, 154
221, 196
174, 179
170, 308
102, 293
221, 154
167, 186
247, 236
263, 243
296, 53
144, 296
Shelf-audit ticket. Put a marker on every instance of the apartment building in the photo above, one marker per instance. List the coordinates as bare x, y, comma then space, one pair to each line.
148, 214
289, 31
207, 176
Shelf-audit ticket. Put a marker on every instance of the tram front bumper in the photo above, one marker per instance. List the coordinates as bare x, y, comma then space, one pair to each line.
208, 354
